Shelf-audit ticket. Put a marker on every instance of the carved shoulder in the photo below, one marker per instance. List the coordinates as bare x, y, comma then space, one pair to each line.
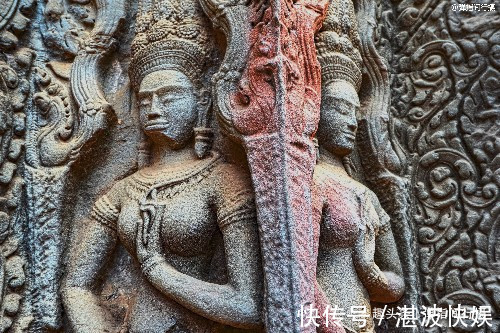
234, 196
327, 177
107, 208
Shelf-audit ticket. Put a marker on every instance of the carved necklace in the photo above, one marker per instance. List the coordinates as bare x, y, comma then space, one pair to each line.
158, 194
165, 189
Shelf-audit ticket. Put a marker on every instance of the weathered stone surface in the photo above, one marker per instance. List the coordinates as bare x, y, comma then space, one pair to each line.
158, 169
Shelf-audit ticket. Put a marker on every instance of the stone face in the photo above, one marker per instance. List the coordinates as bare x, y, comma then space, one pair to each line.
221, 166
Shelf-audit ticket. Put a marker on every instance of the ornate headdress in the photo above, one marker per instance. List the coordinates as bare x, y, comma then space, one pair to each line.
338, 45
173, 34
170, 34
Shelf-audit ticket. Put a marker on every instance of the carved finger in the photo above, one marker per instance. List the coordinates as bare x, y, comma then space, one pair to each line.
370, 244
361, 254
155, 231
147, 212
139, 241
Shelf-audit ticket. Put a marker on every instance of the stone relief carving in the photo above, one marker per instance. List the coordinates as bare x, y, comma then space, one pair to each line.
145, 185
445, 88
14, 21
68, 118
14, 89
66, 25
355, 241
268, 94
15, 67
173, 214
381, 158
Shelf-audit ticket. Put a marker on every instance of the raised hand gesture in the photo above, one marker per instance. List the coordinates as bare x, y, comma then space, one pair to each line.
148, 242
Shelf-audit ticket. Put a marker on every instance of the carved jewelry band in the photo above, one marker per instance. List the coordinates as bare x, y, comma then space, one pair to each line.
150, 263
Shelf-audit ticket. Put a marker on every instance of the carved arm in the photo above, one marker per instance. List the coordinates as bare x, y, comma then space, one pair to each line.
90, 254
387, 259
235, 303
383, 286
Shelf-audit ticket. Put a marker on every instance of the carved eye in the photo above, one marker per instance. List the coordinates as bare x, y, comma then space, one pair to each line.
168, 98
145, 102
344, 108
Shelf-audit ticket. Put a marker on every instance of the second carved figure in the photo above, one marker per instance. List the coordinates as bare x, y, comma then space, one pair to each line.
357, 256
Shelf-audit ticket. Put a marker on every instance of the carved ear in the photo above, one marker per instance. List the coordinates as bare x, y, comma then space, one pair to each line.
316, 148
203, 138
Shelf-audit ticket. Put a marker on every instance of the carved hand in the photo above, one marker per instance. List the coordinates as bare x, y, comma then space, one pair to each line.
364, 251
148, 240
385, 287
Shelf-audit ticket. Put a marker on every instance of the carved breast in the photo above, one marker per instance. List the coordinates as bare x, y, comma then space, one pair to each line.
188, 223
337, 209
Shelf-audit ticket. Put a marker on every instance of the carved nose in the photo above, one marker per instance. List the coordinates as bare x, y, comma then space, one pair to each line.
154, 112
353, 127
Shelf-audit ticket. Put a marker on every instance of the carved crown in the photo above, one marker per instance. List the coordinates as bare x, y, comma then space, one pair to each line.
170, 34
338, 45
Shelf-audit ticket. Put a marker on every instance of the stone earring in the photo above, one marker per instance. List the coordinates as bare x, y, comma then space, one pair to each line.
203, 135
349, 166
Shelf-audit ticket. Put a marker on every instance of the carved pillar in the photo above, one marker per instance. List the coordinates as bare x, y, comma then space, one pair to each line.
56, 136
14, 89
273, 109
15, 70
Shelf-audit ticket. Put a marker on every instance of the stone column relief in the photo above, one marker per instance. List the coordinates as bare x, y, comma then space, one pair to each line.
65, 118
272, 108
249, 165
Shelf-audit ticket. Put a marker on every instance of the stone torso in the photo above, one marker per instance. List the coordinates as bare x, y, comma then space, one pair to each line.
341, 207
199, 202
189, 223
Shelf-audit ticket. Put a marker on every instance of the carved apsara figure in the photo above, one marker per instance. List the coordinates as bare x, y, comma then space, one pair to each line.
357, 259
174, 214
